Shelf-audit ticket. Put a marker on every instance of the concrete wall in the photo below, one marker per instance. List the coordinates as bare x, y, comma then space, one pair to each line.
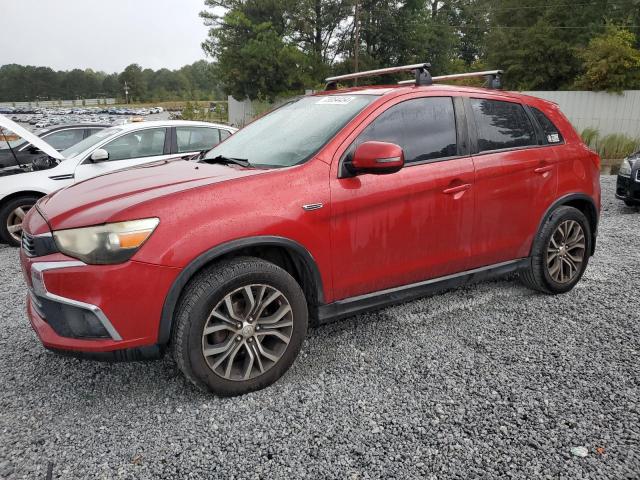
608, 112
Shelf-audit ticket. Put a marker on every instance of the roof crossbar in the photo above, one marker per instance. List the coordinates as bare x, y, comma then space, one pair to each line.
493, 77
423, 77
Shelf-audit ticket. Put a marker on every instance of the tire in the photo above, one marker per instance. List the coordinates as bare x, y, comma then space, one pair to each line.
542, 273
630, 203
9, 217
244, 331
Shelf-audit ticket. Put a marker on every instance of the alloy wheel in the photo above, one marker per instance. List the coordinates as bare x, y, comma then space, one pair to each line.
566, 251
14, 221
247, 332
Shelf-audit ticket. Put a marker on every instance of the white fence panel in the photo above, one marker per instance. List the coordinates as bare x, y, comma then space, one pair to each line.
608, 112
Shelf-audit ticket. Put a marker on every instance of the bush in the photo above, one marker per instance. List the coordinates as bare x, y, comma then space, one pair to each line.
612, 146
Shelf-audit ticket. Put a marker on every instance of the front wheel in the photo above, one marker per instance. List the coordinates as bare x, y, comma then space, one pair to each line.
560, 252
239, 326
11, 215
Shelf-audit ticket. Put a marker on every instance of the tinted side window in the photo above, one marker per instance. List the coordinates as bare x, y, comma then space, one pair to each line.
195, 139
502, 125
551, 133
65, 138
144, 143
91, 131
425, 128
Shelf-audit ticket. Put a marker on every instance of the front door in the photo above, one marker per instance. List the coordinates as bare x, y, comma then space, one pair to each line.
134, 148
397, 229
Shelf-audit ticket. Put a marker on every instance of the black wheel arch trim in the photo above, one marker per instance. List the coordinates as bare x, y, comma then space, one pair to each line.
171, 300
564, 200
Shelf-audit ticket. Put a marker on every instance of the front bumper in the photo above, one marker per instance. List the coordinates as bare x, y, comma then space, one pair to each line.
628, 188
100, 311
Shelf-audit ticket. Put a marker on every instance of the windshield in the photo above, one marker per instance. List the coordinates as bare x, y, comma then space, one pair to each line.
89, 142
293, 133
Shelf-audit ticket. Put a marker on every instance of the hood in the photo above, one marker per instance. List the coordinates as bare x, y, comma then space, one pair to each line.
102, 199
30, 137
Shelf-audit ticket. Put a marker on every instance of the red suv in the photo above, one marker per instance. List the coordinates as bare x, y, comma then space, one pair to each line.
330, 205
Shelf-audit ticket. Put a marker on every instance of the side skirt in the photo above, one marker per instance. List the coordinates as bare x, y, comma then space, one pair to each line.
384, 298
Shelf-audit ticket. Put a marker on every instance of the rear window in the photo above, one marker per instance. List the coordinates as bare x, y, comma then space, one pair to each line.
551, 132
502, 125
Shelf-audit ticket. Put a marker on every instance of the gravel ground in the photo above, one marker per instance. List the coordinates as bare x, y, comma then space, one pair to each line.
486, 381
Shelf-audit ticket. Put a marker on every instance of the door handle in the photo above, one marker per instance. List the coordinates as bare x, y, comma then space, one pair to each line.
545, 169
456, 189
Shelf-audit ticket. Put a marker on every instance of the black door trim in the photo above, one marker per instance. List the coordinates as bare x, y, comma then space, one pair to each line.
383, 298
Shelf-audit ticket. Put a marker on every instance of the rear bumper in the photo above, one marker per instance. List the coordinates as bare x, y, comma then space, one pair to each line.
105, 312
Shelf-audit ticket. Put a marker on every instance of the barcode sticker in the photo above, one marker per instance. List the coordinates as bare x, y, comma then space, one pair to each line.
335, 100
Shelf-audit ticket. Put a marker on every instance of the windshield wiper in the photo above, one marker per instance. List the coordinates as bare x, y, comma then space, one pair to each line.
227, 160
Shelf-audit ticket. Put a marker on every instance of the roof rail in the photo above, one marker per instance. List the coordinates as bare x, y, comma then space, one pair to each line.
423, 77
493, 77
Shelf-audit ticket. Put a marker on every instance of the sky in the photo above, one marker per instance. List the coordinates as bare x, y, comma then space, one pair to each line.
103, 35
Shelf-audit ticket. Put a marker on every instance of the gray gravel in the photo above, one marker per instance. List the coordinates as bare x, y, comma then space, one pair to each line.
486, 381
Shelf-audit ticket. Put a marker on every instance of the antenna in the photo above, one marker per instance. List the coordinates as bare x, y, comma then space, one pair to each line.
423, 77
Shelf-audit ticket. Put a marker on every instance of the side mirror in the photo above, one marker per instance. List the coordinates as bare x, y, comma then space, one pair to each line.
33, 149
377, 158
99, 155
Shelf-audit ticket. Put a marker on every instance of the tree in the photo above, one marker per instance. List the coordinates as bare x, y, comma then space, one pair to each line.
253, 59
611, 62
135, 81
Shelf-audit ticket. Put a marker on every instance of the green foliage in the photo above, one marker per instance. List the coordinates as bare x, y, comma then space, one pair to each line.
617, 146
27, 83
201, 111
610, 61
590, 136
611, 147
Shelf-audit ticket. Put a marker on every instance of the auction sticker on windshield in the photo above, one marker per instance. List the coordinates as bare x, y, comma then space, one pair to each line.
335, 100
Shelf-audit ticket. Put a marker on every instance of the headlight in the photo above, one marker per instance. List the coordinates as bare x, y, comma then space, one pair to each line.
103, 244
627, 165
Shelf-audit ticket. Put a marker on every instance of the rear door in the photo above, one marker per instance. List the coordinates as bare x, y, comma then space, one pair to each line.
516, 178
130, 149
401, 228
190, 140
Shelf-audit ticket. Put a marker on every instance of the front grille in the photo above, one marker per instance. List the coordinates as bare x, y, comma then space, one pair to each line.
28, 244
38, 245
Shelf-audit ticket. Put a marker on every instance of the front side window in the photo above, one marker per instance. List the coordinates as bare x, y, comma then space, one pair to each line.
65, 138
502, 125
293, 133
89, 142
425, 129
551, 132
196, 139
143, 143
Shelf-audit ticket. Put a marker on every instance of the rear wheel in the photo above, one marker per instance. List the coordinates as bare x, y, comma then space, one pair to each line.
239, 326
560, 252
11, 215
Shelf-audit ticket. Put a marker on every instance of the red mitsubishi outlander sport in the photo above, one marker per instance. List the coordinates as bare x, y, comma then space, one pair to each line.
330, 205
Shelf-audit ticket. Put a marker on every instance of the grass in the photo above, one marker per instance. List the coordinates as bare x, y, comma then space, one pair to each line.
614, 146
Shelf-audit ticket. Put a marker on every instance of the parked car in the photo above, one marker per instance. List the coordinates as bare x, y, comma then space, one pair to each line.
60, 138
628, 183
107, 150
333, 204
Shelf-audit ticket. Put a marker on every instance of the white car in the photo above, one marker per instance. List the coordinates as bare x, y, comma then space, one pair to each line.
110, 149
